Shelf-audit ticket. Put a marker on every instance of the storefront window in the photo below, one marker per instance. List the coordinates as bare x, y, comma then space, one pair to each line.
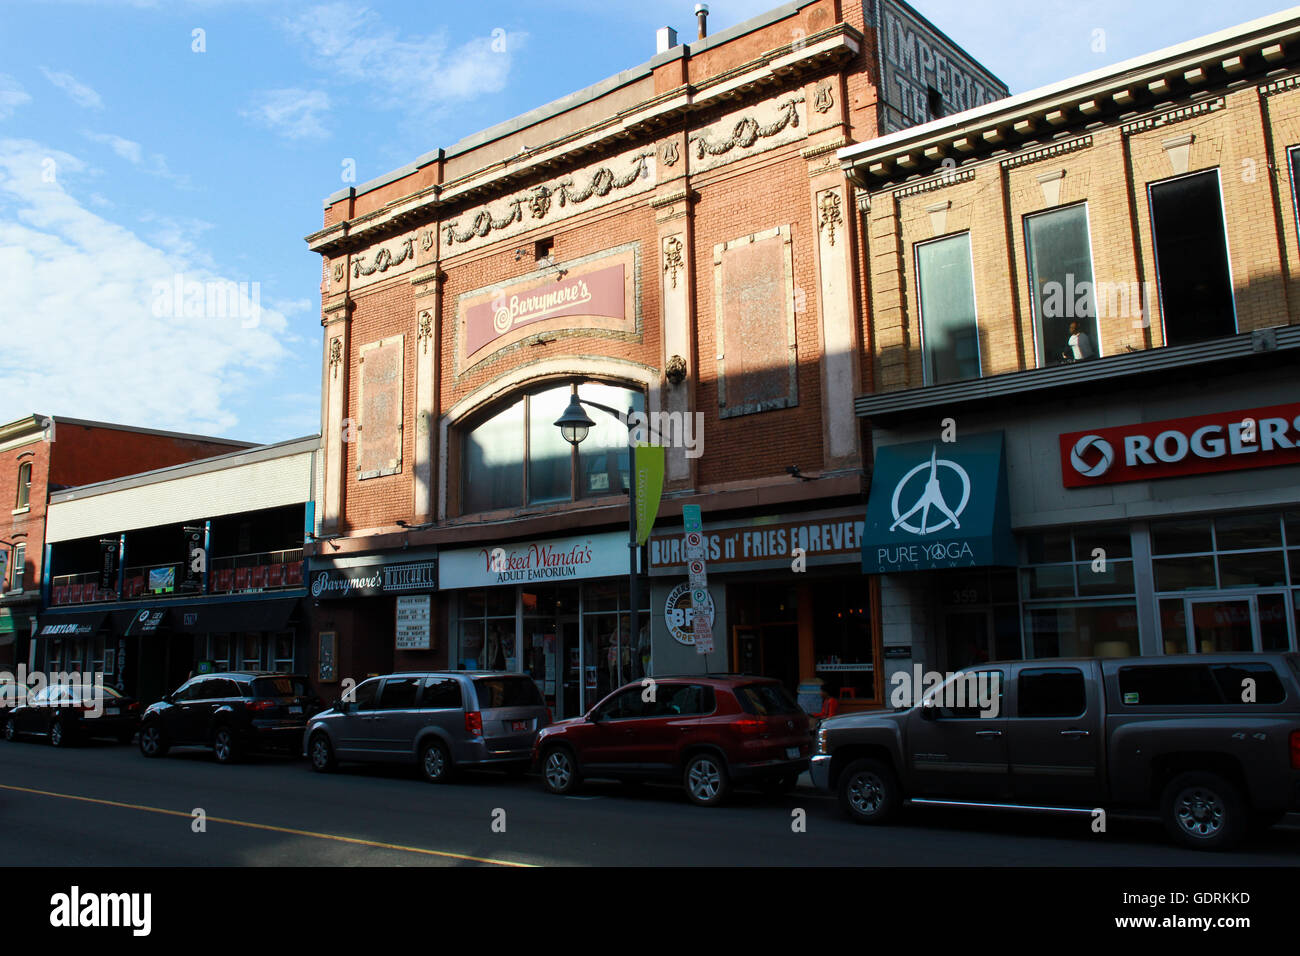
843, 641
283, 659
1083, 630
487, 630
97, 652
518, 456
251, 652
219, 651
612, 658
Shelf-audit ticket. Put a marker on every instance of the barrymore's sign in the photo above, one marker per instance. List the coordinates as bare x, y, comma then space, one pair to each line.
526, 562
373, 580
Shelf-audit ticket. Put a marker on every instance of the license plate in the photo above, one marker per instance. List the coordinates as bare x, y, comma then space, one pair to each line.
112, 711
295, 709
518, 725
792, 753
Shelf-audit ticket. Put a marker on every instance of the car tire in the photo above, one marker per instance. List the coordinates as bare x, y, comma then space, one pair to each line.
1204, 811
435, 762
321, 753
11, 729
868, 792
225, 745
560, 771
152, 742
60, 736
705, 779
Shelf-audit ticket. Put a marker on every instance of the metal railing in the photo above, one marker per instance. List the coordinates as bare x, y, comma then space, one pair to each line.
230, 574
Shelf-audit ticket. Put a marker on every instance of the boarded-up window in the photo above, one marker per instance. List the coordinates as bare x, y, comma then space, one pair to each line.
379, 439
753, 282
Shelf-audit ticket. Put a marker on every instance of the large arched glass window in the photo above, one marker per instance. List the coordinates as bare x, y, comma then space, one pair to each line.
24, 484
517, 456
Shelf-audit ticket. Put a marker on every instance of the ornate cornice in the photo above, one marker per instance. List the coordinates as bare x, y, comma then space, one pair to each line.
1047, 152
1172, 116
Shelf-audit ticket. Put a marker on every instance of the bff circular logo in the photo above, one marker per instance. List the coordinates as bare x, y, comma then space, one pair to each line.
680, 609
1081, 448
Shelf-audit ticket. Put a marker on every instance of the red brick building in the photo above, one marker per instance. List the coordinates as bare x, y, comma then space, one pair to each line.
678, 239
41, 454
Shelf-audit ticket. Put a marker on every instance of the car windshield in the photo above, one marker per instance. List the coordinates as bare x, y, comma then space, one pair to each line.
89, 692
279, 687
766, 700
494, 692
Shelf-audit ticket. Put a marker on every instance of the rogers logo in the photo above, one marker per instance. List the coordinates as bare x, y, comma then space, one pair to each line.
1081, 448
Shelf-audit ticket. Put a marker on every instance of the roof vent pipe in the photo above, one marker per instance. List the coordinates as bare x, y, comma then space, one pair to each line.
702, 15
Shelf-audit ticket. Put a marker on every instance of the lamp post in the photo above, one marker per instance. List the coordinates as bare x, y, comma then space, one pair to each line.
574, 426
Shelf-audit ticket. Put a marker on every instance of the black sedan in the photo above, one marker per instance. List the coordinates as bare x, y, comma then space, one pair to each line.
65, 713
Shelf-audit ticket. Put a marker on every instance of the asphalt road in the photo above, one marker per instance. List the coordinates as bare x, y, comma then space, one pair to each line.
104, 804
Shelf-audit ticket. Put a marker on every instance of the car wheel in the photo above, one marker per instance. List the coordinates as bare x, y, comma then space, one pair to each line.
560, 771
11, 729
224, 745
1203, 810
152, 743
59, 735
321, 753
705, 779
435, 763
868, 791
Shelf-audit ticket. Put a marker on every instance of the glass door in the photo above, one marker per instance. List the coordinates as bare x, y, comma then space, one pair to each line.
1237, 624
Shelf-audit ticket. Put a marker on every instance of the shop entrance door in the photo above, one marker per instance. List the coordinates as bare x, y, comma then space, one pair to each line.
771, 650
1236, 624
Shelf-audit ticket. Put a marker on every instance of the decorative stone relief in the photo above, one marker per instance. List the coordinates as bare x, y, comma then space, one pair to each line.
668, 152
336, 356
383, 260
673, 258
823, 97
738, 135
831, 217
425, 331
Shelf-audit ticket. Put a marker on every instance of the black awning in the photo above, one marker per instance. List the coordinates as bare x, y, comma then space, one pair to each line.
147, 621
72, 624
265, 615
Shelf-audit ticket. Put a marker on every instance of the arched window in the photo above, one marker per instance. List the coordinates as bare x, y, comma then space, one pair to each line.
517, 455
24, 484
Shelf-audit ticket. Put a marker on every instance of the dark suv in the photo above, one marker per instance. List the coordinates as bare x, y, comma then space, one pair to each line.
232, 712
709, 732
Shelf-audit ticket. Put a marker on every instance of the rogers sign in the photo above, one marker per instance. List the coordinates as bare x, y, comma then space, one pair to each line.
1225, 441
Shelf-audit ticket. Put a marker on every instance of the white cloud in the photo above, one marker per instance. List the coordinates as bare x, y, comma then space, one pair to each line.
294, 114
12, 96
78, 92
91, 325
416, 71
155, 164
126, 148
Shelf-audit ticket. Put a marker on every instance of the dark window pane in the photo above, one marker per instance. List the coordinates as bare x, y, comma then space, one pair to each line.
625, 706
399, 693
1239, 532
683, 700
1232, 678
970, 695
1178, 574
1294, 558
1292, 521
1051, 692
1050, 581
441, 693
1185, 536
603, 454
494, 692
1173, 626
765, 700
365, 694
492, 462
1048, 547
1263, 568
550, 457
1083, 630
1060, 275
1117, 578
1273, 631
1192, 258
1168, 684
947, 292
1113, 539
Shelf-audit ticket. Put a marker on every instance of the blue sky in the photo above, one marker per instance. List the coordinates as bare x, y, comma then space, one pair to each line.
130, 164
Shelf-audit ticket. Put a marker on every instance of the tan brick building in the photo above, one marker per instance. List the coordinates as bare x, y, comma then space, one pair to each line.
1088, 290
679, 240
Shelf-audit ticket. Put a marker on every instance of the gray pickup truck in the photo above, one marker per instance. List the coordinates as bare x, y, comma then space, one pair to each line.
1211, 742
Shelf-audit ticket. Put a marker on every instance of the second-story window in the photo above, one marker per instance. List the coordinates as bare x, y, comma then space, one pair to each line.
1060, 274
949, 333
517, 456
24, 484
1192, 258
20, 566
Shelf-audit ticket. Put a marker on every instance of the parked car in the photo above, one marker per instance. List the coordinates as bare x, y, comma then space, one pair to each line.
1209, 742
233, 712
709, 732
442, 721
67, 713
11, 695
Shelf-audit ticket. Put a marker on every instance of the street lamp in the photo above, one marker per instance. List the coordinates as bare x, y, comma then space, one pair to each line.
574, 425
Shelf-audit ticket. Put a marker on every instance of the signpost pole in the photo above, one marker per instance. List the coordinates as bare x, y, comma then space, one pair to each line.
634, 595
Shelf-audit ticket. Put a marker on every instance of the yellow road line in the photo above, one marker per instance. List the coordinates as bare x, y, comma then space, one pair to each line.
267, 826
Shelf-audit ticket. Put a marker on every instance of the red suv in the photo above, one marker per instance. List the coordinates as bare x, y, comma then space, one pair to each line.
709, 732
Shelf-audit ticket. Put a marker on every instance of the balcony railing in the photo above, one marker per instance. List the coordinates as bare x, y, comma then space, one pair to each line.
233, 574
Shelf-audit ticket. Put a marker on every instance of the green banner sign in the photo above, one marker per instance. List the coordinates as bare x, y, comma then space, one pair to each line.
649, 488
938, 504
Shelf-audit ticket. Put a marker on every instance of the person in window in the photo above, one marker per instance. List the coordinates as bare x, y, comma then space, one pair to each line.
1078, 346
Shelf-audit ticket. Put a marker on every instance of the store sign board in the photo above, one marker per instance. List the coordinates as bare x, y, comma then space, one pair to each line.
821, 538
938, 504
1200, 444
413, 622
373, 580
527, 562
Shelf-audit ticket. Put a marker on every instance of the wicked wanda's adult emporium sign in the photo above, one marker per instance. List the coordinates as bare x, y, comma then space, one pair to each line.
527, 562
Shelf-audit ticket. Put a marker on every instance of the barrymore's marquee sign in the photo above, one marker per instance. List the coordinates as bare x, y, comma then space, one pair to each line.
374, 580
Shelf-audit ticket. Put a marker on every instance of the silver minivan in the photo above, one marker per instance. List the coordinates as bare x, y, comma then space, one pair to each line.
443, 721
